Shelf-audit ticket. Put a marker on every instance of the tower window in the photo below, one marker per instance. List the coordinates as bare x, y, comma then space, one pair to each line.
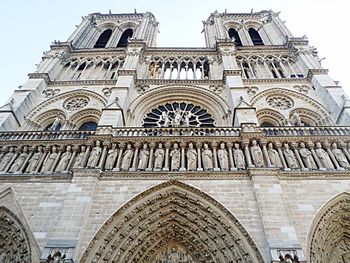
234, 34
254, 35
124, 38
103, 39
88, 126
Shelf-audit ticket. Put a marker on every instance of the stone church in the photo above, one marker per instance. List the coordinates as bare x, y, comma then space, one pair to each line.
116, 150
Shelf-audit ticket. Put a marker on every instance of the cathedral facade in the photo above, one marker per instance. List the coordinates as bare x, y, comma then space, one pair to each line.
116, 150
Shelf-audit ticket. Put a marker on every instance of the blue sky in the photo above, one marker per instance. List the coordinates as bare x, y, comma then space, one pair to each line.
28, 28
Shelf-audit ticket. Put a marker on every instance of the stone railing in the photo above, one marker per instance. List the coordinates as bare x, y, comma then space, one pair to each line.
306, 131
124, 150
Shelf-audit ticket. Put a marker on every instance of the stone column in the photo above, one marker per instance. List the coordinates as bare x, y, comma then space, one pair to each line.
266, 155
214, 146
284, 164
152, 146
230, 156
120, 156
297, 155
166, 162
199, 156
327, 146
136, 155
247, 154
183, 147
311, 146
101, 163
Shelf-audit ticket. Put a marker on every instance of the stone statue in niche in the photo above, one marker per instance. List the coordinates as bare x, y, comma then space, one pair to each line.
191, 158
111, 157
175, 158
56, 123
34, 161
340, 156
94, 156
306, 156
298, 121
143, 158
50, 160
257, 155
177, 118
274, 156
207, 158
6, 159
290, 157
80, 158
238, 157
323, 157
159, 157
16, 166
127, 158
223, 157
65, 158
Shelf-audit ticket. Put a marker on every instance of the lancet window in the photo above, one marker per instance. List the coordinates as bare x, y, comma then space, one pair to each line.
123, 41
255, 36
103, 39
233, 34
179, 68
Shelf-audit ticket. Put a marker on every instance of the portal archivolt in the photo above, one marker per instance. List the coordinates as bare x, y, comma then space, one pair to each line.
172, 220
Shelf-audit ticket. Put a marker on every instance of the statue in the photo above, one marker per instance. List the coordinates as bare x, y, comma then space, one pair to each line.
177, 118
175, 158
191, 158
290, 157
151, 70
6, 159
127, 157
34, 161
274, 156
223, 157
111, 157
257, 155
323, 157
80, 158
159, 158
340, 157
56, 124
50, 160
238, 157
207, 158
16, 166
94, 156
186, 120
306, 156
165, 118
298, 119
56, 257
65, 158
143, 158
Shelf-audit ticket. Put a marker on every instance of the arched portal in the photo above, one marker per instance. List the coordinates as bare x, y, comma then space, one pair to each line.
329, 237
173, 220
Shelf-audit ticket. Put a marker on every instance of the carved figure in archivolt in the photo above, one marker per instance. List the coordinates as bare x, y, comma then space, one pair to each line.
80, 158
111, 157
175, 158
127, 158
323, 157
274, 156
16, 166
340, 156
223, 157
50, 160
143, 158
207, 158
94, 156
6, 159
191, 158
34, 161
159, 157
65, 158
257, 155
290, 157
306, 156
238, 156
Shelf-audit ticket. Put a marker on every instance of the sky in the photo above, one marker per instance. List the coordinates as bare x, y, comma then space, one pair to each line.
28, 28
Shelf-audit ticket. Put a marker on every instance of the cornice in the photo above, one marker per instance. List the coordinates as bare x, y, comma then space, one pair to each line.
279, 80
177, 82
314, 72
82, 82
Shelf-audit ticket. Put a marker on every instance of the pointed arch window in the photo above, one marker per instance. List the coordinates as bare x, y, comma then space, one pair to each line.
124, 38
234, 34
88, 126
103, 39
255, 36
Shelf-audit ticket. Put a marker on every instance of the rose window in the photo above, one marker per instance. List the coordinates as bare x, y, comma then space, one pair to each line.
178, 115
74, 104
280, 102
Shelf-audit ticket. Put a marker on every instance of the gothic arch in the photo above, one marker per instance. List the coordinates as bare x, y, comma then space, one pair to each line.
86, 115
270, 116
215, 105
47, 118
329, 236
172, 213
308, 117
